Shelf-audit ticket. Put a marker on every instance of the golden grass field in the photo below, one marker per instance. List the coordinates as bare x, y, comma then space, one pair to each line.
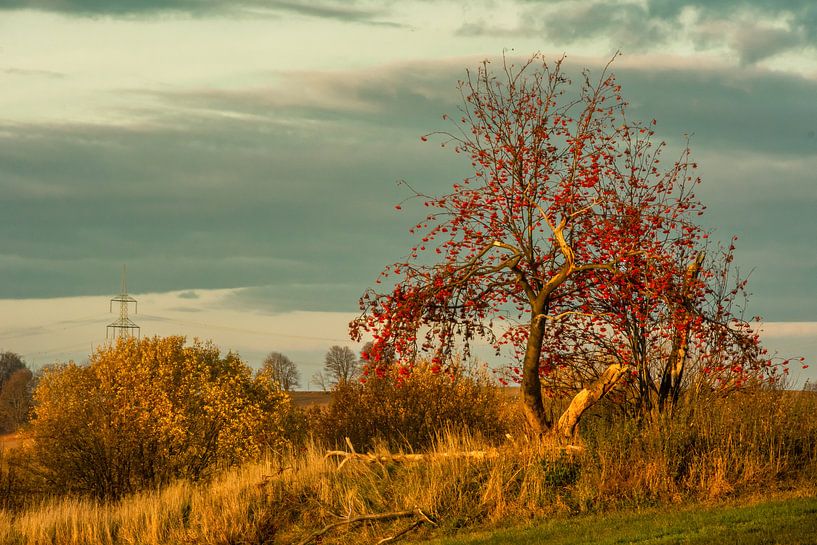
747, 448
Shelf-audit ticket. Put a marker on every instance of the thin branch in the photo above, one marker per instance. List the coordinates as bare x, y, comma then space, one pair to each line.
363, 518
390, 539
416, 524
564, 315
609, 266
577, 213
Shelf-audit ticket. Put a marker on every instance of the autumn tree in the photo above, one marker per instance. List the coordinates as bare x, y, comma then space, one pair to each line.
569, 228
692, 331
143, 413
282, 370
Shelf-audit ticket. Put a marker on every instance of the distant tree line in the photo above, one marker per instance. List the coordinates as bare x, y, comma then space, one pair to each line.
340, 365
16, 386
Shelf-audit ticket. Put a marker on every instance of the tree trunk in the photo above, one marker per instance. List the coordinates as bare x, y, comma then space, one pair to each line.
589, 396
674, 370
535, 415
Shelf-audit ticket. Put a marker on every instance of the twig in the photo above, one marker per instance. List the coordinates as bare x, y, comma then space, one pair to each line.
363, 518
389, 539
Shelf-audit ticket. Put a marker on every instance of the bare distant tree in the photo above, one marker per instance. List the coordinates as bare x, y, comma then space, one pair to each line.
340, 365
282, 370
319, 379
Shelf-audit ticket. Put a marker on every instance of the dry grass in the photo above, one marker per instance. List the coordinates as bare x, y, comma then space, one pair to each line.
732, 448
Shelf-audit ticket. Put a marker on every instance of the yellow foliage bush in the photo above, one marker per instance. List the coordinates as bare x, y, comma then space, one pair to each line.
405, 409
143, 413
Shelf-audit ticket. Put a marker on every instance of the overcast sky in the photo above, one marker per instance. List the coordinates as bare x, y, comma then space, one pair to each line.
241, 156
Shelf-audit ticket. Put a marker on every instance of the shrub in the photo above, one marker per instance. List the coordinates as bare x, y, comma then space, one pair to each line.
145, 412
710, 448
404, 409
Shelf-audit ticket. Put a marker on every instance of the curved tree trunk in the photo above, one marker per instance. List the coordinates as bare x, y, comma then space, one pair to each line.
535, 415
589, 396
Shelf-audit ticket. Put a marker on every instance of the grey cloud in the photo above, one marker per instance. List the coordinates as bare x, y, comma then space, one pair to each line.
574, 20
378, 97
273, 299
293, 192
723, 8
750, 133
757, 43
727, 108
211, 203
752, 41
642, 27
626, 26
735, 115
343, 11
340, 11
190, 294
770, 208
116, 7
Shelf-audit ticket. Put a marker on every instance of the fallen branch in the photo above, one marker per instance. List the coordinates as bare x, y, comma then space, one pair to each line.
416, 524
372, 458
390, 539
377, 516
404, 458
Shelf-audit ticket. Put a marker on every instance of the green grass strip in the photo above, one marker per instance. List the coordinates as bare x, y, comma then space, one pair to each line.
790, 522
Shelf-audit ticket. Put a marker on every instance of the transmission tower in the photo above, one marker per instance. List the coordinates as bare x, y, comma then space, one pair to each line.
123, 327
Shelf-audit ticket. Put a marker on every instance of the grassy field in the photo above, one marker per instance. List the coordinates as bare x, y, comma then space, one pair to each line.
654, 482
791, 521
305, 399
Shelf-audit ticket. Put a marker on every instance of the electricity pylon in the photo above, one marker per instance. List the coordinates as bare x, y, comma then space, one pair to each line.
123, 327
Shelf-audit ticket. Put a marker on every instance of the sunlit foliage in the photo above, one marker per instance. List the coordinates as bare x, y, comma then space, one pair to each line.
142, 413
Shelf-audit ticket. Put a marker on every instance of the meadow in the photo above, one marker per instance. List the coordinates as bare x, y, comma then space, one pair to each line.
706, 472
789, 521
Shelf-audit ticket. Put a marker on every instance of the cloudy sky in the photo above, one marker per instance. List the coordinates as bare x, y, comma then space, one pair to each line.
241, 156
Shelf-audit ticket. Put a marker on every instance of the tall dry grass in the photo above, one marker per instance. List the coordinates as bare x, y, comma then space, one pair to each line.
711, 447
718, 448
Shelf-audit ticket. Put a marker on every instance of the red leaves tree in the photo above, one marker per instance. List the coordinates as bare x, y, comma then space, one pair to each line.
569, 234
